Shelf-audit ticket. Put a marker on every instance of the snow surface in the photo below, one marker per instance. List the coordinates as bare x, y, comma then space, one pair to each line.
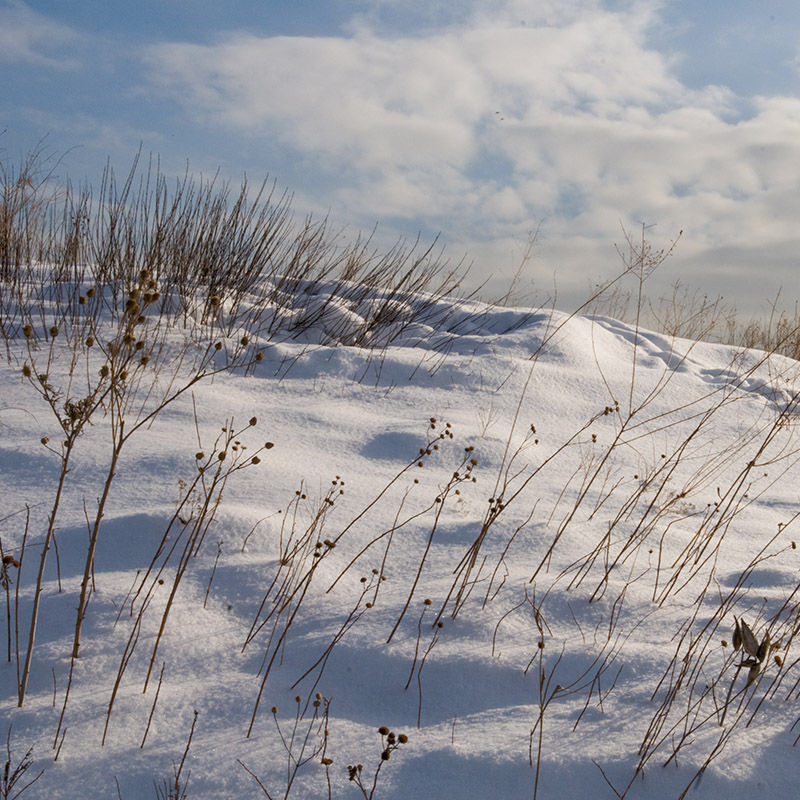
633, 494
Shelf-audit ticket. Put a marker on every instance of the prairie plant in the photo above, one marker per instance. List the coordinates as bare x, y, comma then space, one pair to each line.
15, 780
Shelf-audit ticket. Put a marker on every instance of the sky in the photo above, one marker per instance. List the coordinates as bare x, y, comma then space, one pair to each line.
478, 122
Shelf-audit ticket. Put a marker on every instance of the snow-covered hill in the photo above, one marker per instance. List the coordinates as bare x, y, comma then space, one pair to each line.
520, 539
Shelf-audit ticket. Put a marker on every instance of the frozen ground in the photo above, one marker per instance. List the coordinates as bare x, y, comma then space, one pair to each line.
519, 539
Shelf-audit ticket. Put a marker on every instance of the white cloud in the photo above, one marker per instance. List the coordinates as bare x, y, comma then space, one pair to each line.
32, 38
588, 122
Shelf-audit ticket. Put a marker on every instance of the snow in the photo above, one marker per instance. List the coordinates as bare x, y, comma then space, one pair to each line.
633, 494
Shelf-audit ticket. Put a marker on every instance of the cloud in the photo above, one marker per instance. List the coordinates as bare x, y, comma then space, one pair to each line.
558, 111
32, 38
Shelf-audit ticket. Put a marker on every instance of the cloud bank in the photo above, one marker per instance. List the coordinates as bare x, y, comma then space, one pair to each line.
484, 122
561, 113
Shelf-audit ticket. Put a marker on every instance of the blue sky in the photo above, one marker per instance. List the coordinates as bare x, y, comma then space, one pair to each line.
481, 121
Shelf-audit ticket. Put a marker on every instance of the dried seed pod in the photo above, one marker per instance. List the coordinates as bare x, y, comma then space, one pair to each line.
763, 648
737, 635
753, 673
749, 641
